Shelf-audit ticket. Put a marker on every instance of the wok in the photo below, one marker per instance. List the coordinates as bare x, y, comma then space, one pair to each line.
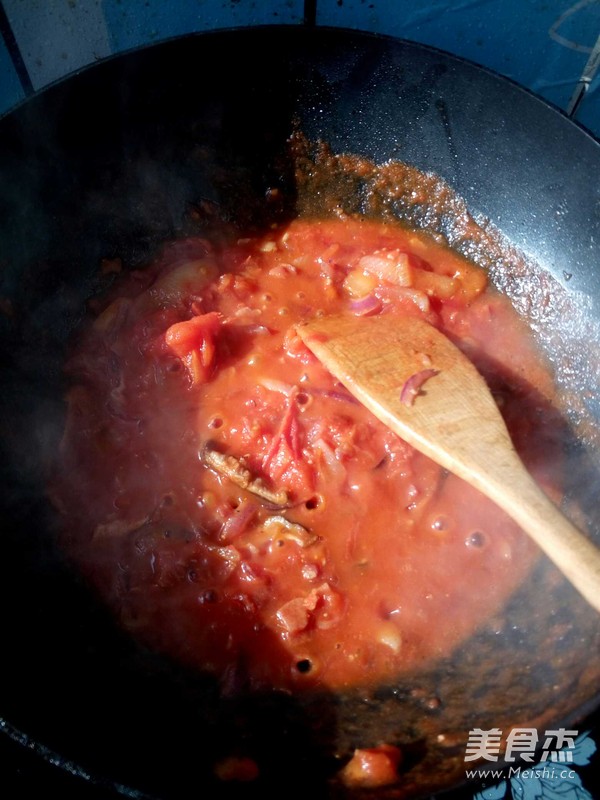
108, 163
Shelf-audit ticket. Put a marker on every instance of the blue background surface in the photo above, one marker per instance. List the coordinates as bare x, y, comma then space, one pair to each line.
132, 22
10, 87
543, 45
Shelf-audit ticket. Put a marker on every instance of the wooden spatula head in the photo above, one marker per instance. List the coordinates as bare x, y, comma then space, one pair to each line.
418, 383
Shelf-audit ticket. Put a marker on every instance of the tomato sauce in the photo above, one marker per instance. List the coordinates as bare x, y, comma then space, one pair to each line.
239, 510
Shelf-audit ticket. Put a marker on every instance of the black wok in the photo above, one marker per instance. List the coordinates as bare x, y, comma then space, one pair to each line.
108, 163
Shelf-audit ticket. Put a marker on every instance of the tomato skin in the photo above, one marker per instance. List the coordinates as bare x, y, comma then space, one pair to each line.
284, 460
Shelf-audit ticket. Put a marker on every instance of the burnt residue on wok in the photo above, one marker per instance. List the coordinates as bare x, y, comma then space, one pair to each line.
99, 189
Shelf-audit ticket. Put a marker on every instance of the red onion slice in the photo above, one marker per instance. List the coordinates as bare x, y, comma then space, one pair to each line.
237, 523
366, 306
413, 385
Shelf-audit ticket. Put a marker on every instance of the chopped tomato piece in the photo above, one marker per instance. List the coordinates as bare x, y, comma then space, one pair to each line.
193, 341
372, 767
295, 347
330, 607
322, 607
472, 282
393, 266
441, 286
294, 615
237, 768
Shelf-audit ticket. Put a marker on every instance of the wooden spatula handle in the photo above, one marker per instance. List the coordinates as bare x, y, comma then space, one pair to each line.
454, 421
573, 553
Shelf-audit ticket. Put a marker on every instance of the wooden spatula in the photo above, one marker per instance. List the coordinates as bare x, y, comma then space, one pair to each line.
417, 382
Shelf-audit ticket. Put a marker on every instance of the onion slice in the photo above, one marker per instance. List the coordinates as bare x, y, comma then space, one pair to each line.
366, 306
237, 523
413, 385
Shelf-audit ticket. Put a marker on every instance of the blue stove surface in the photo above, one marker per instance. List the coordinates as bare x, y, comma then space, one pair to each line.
543, 45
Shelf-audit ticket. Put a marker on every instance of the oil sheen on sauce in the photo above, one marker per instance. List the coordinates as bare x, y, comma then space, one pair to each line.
238, 509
